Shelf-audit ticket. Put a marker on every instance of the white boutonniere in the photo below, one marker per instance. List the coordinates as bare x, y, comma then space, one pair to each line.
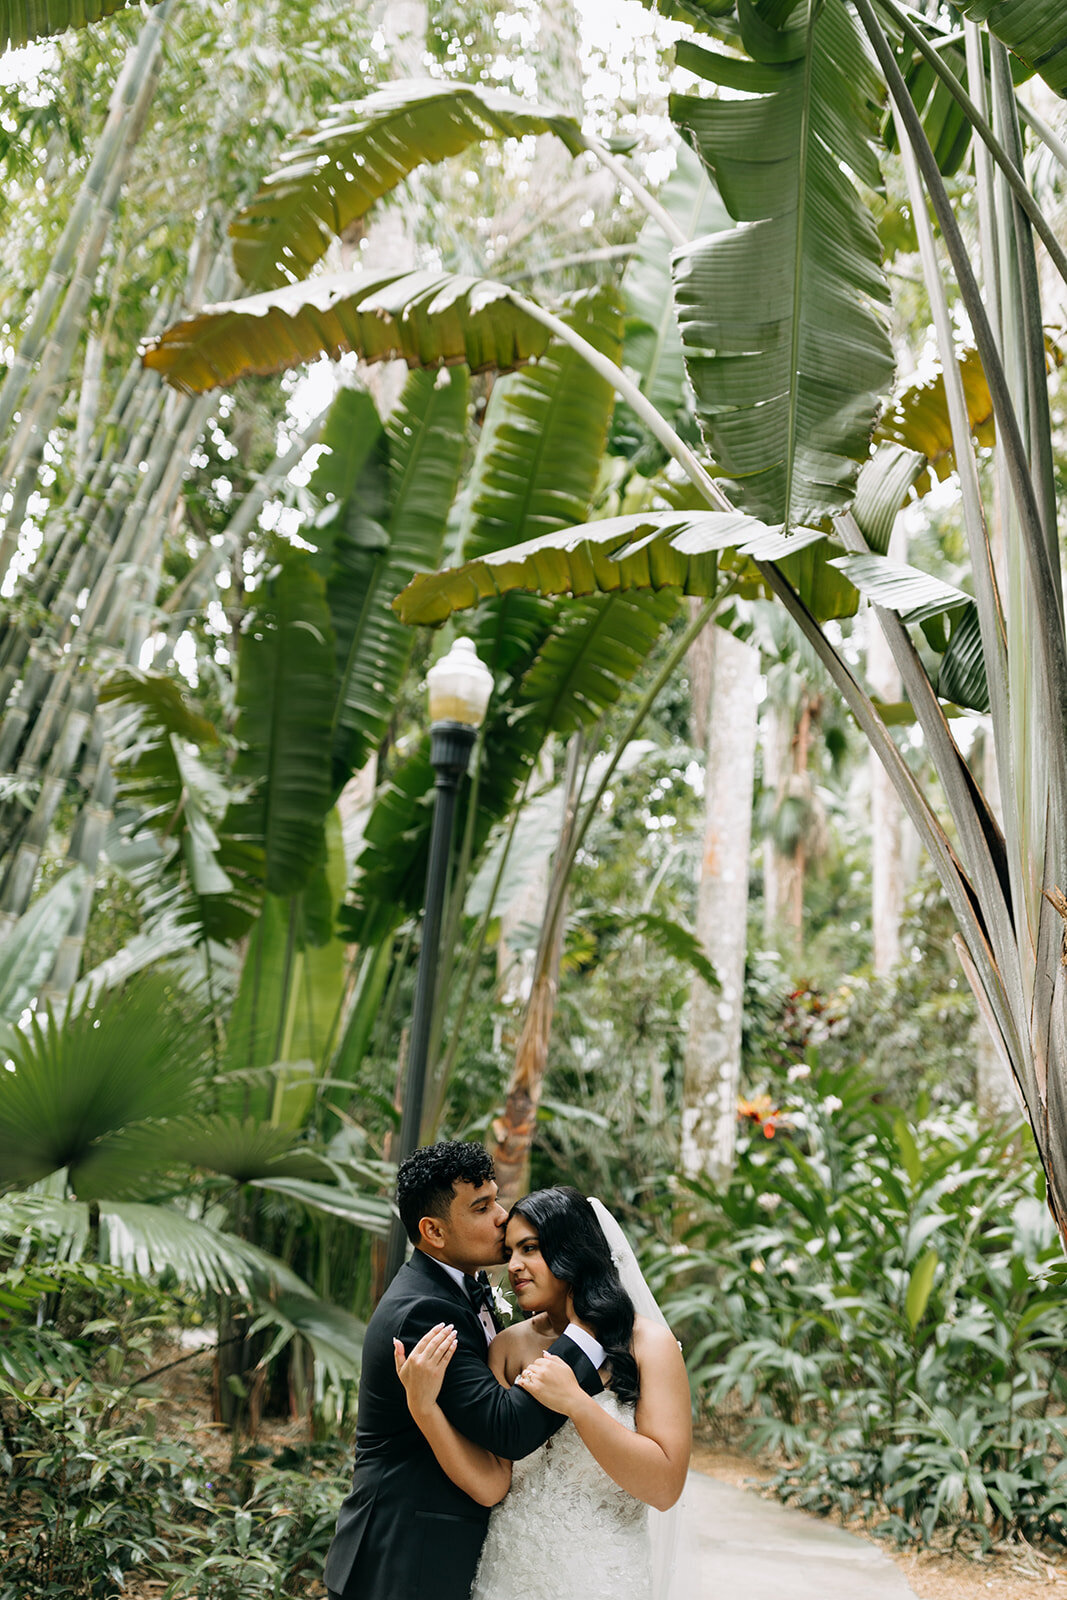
501, 1304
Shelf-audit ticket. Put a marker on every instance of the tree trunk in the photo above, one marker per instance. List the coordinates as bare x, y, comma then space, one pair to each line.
713, 1048
513, 1130
787, 754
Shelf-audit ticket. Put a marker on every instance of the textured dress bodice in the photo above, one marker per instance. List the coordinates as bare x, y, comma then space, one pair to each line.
566, 1531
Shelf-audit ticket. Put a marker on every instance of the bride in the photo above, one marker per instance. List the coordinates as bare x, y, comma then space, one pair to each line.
575, 1524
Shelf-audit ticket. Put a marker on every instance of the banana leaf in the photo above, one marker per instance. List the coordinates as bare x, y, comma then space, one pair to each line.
21, 23
285, 696
596, 648
915, 596
288, 1000
537, 467
782, 317
333, 173
1033, 30
428, 319
918, 418
386, 493
653, 346
654, 549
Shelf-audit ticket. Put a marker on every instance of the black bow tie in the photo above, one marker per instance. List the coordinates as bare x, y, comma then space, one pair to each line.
481, 1295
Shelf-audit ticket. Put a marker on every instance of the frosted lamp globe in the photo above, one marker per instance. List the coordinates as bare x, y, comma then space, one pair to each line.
460, 686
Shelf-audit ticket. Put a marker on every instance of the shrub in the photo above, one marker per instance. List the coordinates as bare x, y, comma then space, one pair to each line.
884, 1299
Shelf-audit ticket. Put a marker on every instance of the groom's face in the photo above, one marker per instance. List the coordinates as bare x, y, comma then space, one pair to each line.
474, 1233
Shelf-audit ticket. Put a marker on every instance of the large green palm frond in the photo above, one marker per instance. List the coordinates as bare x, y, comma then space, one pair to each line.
333, 173
288, 1001
653, 347
176, 793
82, 1076
21, 23
648, 550
333, 1335
29, 946
536, 469
428, 319
782, 317
386, 493
145, 1241
537, 466
594, 650
1033, 30
285, 697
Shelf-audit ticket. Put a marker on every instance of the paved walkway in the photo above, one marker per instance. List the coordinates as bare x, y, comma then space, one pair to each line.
735, 1545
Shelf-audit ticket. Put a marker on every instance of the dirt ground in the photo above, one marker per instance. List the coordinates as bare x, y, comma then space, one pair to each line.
1009, 1572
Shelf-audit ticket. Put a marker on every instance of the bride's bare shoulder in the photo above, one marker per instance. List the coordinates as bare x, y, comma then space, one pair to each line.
516, 1347
652, 1340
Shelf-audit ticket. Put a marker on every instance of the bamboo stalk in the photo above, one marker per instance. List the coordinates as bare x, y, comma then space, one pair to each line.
139, 61
43, 396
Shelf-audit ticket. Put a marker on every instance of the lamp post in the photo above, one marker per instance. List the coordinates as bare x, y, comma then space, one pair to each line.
459, 686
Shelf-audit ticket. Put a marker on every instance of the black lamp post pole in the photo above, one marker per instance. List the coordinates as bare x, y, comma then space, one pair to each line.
450, 748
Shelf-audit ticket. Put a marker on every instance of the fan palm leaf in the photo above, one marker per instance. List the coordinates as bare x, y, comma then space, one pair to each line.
145, 1241
85, 1075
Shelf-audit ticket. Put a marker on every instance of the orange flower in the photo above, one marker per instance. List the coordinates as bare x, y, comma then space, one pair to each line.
763, 1112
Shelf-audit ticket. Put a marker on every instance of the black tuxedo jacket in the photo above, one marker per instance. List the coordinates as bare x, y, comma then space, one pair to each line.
405, 1532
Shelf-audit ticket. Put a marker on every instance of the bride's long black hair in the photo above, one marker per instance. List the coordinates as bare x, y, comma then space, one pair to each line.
575, 1250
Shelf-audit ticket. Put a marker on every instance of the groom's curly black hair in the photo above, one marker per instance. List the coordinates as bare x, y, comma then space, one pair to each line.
425, 1181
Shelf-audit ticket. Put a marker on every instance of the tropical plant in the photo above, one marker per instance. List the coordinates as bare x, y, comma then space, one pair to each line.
787, 392
876, 1299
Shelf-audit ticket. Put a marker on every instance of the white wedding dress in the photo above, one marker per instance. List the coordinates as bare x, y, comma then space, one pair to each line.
566, 1531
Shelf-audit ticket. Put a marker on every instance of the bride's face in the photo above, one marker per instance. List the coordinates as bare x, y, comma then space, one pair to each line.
535, 1286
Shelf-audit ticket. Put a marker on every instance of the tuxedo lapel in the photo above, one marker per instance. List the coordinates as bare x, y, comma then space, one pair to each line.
430, 1270
426, 1268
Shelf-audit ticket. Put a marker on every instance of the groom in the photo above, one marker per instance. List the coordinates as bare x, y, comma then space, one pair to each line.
405, 1532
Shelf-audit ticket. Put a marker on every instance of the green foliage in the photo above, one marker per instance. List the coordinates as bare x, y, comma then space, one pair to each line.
334, 173
881, 1298
20, 24
429, 319
92, 1499
285, 699
79, 1080
787, 380
385, 494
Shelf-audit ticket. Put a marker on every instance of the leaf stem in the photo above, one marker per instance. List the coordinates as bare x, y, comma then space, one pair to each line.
1016, 182
639, 403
